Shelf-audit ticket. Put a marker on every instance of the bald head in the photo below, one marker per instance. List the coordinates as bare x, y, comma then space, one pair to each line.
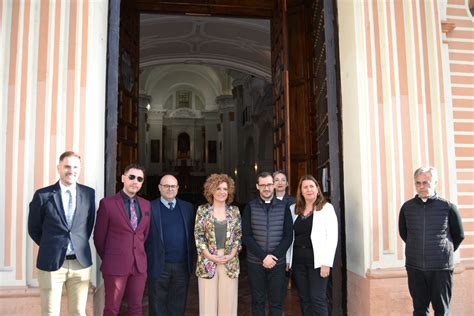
168, 187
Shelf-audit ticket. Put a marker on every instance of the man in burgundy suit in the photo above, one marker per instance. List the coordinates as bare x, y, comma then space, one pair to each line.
120, 232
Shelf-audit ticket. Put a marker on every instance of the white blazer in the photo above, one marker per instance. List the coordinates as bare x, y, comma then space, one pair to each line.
323, 236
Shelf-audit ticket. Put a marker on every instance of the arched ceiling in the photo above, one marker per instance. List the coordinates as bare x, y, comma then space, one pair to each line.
239, 44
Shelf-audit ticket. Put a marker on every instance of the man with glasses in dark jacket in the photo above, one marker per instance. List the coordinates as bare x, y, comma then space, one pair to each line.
432, 229
267, 231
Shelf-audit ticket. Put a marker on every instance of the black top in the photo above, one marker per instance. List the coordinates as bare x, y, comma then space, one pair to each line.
302, 227
432, 231
126, 201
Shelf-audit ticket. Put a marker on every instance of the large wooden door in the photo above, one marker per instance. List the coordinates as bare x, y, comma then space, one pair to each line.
306, 104
281, 114
128, 91
122, 91
307, 110
324, 133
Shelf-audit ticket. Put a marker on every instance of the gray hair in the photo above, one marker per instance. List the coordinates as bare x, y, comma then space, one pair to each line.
431, 170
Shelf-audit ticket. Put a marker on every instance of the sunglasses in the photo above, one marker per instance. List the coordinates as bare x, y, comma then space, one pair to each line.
132, 177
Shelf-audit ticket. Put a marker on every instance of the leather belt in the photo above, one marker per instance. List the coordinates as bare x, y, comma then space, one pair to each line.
71, 257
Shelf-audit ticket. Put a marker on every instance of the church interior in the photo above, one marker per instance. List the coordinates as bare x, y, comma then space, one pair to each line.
205, 103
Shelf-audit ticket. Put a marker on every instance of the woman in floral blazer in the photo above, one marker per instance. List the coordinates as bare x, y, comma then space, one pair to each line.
218, 237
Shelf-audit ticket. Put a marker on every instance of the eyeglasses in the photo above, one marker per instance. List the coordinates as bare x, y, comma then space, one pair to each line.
132, 177
168, 187
266, 186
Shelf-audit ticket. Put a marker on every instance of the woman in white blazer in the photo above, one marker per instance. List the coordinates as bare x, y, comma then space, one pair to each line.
311, 255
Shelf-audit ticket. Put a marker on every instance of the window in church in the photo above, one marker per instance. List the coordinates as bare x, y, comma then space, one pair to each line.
183, 99
183, 146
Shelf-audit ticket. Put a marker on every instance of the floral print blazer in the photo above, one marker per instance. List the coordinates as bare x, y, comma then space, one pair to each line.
205, 236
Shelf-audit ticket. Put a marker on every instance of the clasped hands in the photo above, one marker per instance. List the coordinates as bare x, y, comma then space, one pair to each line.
219, 259
270, 261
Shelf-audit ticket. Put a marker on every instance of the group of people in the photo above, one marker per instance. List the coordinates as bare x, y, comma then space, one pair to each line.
140, 242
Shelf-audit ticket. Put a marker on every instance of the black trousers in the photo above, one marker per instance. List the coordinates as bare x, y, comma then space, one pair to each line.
267, 281
167, 295
310, 285
430, 286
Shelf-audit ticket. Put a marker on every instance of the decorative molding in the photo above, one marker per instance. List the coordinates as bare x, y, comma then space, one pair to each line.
239, 78
391, 273
203, 40
184, 113
225, 102
156, 115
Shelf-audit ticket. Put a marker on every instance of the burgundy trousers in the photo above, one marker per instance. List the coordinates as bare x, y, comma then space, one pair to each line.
131, 286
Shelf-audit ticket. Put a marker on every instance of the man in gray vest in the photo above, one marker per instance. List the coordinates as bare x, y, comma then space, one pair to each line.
267, 231
432, 229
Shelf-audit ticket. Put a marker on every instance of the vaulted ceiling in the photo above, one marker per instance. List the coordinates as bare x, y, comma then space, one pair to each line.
233, 43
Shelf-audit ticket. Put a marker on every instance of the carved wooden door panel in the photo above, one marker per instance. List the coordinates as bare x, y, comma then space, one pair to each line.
281, 145
324, 133
299, 59
127, 129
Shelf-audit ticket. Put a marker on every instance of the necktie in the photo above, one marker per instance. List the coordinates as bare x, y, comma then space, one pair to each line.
133, 215
70, 210
171, 206
69, 217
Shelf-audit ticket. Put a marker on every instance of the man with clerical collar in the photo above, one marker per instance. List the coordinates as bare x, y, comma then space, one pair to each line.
123, 222
432, 229
267, 231
171, 249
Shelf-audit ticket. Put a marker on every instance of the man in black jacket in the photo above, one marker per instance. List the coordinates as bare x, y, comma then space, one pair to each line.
432, 229
267, 231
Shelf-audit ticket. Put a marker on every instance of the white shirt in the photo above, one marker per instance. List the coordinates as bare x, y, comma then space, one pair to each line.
65, 200
167, 203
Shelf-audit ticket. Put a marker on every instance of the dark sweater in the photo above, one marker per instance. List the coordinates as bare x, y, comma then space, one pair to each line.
432, 231
174, 235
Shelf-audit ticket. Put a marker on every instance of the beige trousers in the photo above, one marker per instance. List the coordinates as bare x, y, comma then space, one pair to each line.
218, 296
76, 278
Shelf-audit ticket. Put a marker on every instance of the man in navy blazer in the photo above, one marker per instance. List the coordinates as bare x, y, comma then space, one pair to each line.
60, 222
170, 250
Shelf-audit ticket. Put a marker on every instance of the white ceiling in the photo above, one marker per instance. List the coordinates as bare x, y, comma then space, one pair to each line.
240, 44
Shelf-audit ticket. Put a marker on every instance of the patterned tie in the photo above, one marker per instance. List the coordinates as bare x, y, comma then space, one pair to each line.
133, 215
70, 210
171, 205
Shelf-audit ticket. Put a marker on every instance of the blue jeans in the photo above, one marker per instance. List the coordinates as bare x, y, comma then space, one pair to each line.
267, 281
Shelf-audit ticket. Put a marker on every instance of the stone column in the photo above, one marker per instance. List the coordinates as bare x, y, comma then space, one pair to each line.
228, 133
